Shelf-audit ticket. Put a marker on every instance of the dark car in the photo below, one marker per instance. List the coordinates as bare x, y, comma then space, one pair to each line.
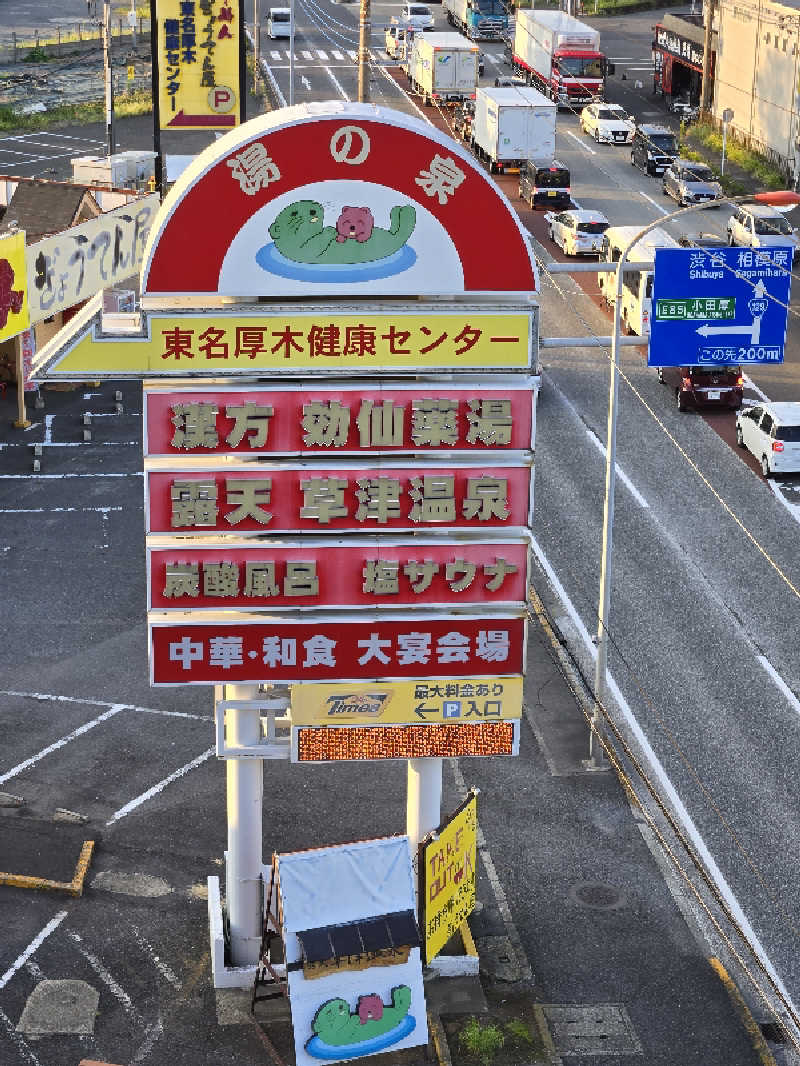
653, 148
704, 386
702, 240
544, 182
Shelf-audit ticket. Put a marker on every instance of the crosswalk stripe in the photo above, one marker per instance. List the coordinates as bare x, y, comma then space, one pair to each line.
322, 55
353, 55
275, 55
497, 60
306, 55
338, 56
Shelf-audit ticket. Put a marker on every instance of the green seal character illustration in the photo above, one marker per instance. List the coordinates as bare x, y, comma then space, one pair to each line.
301, 236
340, 1033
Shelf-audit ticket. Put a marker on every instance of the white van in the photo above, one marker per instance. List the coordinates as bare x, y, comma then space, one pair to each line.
279, 22
637, 286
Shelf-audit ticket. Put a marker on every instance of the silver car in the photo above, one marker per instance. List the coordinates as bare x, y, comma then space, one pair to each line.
690, 183
577, 232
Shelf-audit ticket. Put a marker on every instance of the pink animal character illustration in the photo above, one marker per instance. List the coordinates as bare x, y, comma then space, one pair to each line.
354, 223
11, 299
370, 1008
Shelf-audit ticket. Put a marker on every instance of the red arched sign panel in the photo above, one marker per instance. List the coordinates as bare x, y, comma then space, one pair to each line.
347, 200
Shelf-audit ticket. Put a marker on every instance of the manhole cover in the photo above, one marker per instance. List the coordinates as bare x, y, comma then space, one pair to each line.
596, 894
600, 1029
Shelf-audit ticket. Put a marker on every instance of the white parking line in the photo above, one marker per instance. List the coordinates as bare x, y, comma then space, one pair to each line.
145, 796
791, 699
60, 743
108, 980
581, 142
650, 200
339, 88
620, 473
34, 945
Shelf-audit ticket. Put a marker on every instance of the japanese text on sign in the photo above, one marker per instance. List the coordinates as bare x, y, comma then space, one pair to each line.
401, 702
199, 44
290, 421
73, 265
447, 868
336, 576
323, 500
203, 654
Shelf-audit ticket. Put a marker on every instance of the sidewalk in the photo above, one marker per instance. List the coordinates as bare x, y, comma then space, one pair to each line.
616, 969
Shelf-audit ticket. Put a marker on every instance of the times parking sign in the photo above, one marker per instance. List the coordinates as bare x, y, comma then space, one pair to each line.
717, 306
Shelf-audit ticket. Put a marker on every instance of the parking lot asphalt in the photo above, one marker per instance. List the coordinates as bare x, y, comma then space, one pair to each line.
576, 918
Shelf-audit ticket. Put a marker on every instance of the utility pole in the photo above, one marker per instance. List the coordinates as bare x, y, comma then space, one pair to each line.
108, 77
256, 46
705, 92
364, 34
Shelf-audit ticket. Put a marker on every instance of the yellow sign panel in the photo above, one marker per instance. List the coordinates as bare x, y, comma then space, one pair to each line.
467, 700
14, 316
447, 868
289, 341
198, 59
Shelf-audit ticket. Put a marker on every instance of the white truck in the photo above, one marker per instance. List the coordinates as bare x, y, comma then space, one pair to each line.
637, 285
480, 20
513, 125
442, 68
561, 56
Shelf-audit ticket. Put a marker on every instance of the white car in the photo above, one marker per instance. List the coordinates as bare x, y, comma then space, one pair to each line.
577, 232
761, 226
771, 431
607, 123
418, 16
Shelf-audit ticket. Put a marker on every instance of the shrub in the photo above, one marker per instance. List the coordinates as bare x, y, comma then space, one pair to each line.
481, 1041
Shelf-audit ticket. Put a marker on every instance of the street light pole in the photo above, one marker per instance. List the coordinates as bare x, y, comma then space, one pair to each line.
596, 756
291, 53
109, 86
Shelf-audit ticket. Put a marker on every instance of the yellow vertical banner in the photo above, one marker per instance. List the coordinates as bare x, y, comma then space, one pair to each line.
14, 315
447, 877
199, 44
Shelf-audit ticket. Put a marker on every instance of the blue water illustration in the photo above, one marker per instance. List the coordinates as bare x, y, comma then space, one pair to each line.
270, 259
320, 1050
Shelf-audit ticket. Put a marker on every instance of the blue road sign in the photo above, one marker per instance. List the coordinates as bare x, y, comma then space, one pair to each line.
719, 305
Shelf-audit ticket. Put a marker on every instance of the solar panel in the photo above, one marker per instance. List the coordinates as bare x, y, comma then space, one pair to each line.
403, 929
345, 939
316, 945
374, 934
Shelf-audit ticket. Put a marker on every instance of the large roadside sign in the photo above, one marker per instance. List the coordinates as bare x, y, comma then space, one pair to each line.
719, 306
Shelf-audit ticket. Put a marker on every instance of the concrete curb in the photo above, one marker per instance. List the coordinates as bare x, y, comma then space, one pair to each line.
43, 884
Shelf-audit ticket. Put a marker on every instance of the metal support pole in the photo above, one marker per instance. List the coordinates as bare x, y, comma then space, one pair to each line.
22, 421
705, 90
158, 163
597, 758
291, 53
423, 800
256, 46
364, 34
245, 787
108, 77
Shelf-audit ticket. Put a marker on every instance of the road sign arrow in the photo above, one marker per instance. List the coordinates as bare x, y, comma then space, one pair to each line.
757, 307
183, 120
421, 710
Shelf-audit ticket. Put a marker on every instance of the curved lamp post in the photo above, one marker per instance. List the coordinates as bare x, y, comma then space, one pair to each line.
783, 198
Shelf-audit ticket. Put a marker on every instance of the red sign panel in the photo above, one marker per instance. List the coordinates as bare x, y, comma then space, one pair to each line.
290, 499
331, 649
317, 574
358, 419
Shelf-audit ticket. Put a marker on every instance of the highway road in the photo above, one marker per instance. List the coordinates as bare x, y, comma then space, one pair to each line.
706, 578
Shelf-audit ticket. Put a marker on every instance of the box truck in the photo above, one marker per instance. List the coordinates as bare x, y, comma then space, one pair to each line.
442, 68
637, 285
480, 20
513, 125
561, 56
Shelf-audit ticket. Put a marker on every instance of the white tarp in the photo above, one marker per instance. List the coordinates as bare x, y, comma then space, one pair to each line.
334, 886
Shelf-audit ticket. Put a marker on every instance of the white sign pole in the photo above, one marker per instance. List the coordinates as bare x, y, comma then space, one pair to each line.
423, 800
245, 781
